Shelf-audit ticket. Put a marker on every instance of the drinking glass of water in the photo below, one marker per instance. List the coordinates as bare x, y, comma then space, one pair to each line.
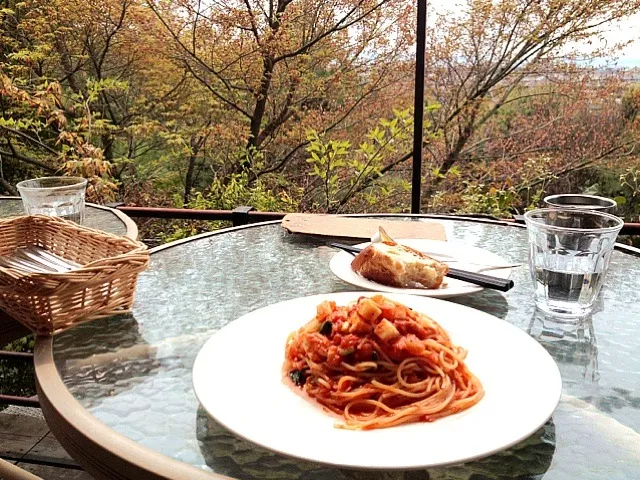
55, 197
569, 254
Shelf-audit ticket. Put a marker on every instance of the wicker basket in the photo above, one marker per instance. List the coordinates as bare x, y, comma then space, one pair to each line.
48, 303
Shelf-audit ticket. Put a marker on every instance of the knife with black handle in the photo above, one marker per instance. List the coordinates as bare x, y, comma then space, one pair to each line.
480, 279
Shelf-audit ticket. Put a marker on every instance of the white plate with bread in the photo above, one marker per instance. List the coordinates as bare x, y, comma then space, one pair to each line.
416, 266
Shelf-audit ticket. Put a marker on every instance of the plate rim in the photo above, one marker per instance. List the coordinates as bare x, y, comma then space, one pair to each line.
556, 380
430, 293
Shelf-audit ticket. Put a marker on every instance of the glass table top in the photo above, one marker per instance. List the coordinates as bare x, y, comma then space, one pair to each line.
133, 372
98, 218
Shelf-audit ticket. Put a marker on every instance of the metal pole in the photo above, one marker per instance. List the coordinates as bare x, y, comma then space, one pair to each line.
418, 107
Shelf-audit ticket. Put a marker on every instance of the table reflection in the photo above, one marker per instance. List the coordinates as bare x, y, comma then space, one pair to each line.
572, 345
237, 458
108, 356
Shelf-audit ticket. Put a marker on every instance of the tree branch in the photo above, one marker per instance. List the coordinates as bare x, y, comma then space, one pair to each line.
338, 26
28, 160
8, 187
281, 163
29, 138
284, 115
387, 168
254, 27
216, 93
111, 34
587, 163
191, 54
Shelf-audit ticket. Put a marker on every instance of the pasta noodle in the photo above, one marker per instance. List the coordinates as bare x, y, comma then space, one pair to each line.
379, 364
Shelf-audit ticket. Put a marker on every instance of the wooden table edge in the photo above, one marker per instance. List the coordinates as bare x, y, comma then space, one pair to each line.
10, 471
101, 451
130, 225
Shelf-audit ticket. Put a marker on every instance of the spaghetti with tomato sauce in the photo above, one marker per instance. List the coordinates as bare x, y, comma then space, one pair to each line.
379, 364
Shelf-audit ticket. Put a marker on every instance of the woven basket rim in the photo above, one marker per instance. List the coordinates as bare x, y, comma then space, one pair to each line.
69, 224
137, 247
95, 265
61, 221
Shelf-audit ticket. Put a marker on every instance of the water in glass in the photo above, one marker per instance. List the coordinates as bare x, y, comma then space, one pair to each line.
567, 291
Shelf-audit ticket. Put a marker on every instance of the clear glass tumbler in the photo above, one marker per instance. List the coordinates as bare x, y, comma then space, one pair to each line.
584, 202
569, 254
54, 196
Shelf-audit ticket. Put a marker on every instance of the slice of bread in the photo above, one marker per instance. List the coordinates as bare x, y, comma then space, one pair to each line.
395, 265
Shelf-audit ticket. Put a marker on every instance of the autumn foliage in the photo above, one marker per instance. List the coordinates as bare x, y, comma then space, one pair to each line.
305, 105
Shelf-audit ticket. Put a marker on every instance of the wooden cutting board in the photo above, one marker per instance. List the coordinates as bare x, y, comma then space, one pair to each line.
361, 228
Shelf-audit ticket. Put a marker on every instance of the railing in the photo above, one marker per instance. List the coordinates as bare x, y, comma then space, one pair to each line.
13, 399
238, 216
244, 215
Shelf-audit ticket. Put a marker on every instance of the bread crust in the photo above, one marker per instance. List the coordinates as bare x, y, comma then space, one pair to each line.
389, 266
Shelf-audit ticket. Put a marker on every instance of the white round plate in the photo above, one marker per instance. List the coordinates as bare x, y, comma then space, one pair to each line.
237, 377
466, 258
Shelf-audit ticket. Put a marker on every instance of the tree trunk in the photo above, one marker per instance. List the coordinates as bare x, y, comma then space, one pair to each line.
188, 180
65, 60
261, 102
454, 153
107, 147
195, 144
7, 187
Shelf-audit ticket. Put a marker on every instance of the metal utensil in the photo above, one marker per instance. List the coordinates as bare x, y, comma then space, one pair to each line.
15, 263
37, 260
493, 267
55, 259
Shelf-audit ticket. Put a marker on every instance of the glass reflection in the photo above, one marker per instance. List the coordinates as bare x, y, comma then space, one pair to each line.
572, 345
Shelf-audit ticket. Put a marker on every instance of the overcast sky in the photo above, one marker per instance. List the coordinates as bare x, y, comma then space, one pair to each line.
627, 30
620, 32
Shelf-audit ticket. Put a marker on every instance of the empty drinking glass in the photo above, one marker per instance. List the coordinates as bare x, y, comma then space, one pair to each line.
585, 202
54, 196
569, 254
